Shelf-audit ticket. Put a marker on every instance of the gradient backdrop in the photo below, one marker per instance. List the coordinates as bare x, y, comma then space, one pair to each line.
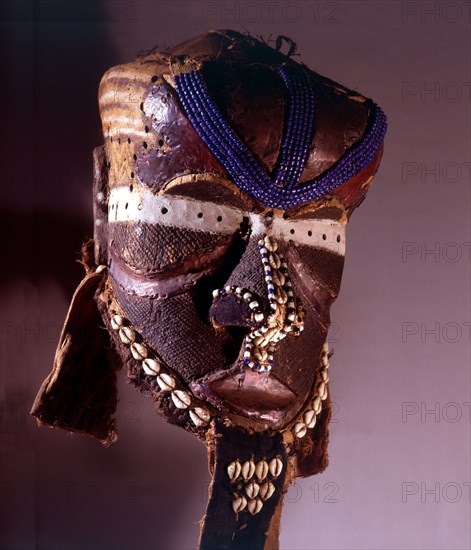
399, 475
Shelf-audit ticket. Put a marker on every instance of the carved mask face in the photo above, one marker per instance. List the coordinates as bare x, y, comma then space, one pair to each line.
229, 186
221, 196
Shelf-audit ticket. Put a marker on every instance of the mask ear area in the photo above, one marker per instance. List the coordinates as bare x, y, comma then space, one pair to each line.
80, 393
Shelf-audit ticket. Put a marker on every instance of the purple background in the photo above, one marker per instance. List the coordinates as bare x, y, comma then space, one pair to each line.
399, 475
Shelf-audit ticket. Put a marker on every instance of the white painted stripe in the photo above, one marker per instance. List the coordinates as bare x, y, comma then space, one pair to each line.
124, 120
138, 74
117, 130
119, 95
183, 212
326, 234
176, 211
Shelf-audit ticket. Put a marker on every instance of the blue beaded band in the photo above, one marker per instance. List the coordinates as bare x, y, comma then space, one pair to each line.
281, 189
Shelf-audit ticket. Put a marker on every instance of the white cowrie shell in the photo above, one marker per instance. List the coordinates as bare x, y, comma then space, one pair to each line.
325, 375
260, 354
266, 490
139, 351
254, 506
325, 360
259, 317
271, 244
325, 348
116, 321
274, 260
280, 278
238, 504
127, 335
199, 416
309, 418
253, 305
233, 470
216, 293
275, 467
261, 470
248, 469
181, 399
282, 297
320, 389
324, 394
316, 404
252, 489
166, 382
151, 367
300, 429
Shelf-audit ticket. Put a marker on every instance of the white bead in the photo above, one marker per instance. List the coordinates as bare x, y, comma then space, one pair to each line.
215, 293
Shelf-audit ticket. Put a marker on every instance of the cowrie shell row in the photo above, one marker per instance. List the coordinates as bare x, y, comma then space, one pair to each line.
239, 504
127, 335
181, 399
266, 490
199, 416
151, 367
139, 351
275, 466
233, 470
248, 469
254, 506
166, 382
252, 489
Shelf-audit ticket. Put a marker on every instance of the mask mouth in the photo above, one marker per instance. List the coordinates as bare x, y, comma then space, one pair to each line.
262, 399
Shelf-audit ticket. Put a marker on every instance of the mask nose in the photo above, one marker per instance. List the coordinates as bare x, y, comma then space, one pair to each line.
272, 314
242, 302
